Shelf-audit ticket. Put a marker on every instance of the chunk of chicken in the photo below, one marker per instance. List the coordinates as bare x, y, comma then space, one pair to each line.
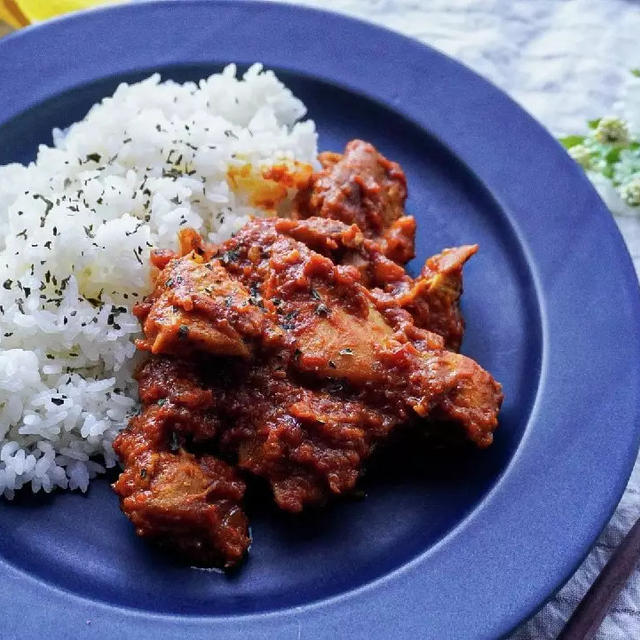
433, 298
188, 504
362, 187
182, 305
307, 438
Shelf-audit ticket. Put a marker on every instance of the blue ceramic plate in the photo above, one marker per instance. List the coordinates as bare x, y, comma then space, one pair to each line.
464, 547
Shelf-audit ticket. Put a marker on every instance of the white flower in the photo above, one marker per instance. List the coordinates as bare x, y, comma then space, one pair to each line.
612, 130
581, 155
630, 191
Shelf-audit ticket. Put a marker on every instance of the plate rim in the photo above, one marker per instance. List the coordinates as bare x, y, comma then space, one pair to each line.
483, 95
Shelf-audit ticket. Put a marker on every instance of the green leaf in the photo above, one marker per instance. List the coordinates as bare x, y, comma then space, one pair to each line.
607, 172
571, 141
594, 123
636, 72
613, 155
634, 146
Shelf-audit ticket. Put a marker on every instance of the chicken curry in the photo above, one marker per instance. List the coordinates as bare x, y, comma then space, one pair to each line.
290, 352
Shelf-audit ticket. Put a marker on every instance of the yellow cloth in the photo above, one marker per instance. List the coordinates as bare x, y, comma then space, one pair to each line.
19, 13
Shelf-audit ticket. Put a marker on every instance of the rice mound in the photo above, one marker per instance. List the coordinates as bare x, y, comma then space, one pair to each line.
76, 228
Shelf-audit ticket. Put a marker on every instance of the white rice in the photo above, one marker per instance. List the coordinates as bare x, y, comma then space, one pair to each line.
76, 228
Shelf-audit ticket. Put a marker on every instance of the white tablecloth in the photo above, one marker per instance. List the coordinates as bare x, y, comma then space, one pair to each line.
565, 62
